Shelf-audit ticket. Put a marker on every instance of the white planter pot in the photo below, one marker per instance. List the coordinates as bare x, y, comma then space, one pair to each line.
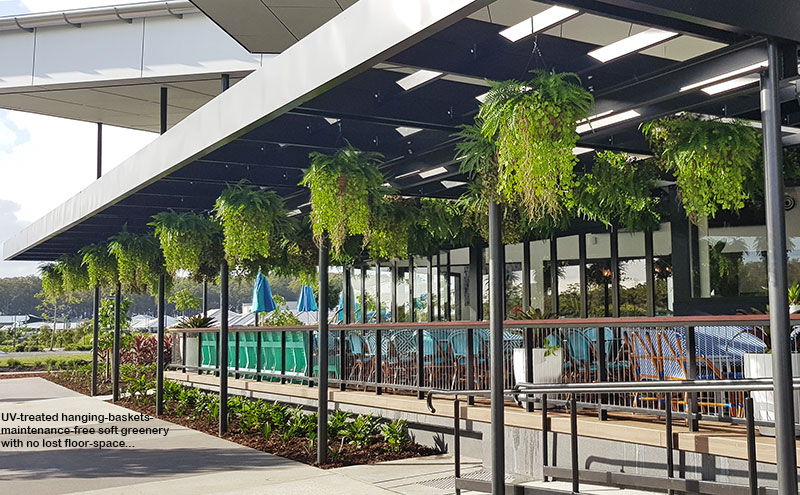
760, 366
794, 308
546, 369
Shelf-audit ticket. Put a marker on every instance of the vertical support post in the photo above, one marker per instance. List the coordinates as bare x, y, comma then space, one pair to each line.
184, 336
670, 457
99, 150
573, 441
236, 344
476, 282
394, 292
324, 337
205, 298
310, 360
163, 110
554, 273
448, 287
420, 363
584, 290
283, 356
259, 364
471, 364
545, 432
615, 273
650, 281
363, 294
95, 336
526, 306
457, 439
160, 364
691, 371
199, 353
115, 350
222, 348
752, 465
412, 316
347, 303
225, 80
429, 288
777, 270
378, 332
496, 311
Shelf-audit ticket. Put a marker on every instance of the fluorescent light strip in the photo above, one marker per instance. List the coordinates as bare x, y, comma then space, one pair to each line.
729, 85
482, 98
612, 119
408, 174
579, 150
407, 131
539, 22
728, 75
433, 172
449, 184
293, 213
596, 116
332, 121
631, 44
418, 78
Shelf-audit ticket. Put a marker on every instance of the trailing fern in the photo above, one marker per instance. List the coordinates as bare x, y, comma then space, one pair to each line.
139, 261
74, 276
189, 242
101, 266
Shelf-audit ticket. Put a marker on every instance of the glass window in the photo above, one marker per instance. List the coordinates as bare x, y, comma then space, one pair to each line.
568, 277
541, 287
633, 275
403, 279
513, 279
598, 274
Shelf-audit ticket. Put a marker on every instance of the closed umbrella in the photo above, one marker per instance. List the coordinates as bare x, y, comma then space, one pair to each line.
262, 296
306, 302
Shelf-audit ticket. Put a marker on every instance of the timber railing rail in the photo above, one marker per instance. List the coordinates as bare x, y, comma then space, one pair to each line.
524, 392
454, 355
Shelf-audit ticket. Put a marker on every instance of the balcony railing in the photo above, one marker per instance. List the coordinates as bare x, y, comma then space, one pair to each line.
412, 358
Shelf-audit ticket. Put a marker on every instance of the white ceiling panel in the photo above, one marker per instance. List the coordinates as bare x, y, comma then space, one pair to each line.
250, 22
303, 20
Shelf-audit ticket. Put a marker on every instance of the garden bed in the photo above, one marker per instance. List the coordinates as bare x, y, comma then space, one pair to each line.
270, 427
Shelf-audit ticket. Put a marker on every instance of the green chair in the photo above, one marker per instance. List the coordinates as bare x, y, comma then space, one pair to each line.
208, 346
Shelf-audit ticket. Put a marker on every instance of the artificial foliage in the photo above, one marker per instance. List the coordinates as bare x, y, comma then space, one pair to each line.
251, 219
439, 224
391, 223
296, 254
345, 187
617, 192
139, 261
532, 124
712, 161
189, 242
101, 266
74, 276
52, 282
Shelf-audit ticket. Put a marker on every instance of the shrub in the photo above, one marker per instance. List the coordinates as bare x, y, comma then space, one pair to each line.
337, 423
13, 363
396, 434
362, 430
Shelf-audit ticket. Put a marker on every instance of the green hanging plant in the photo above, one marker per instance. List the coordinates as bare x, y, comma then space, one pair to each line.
295, 253
391, 223
711, 160
101, 266
139, 260
189, 242
74, 276
52, 282
439, 225
345, 187
532, 124
249, 216
617, 191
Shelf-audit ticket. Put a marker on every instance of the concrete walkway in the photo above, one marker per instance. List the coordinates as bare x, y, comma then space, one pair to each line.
182, 462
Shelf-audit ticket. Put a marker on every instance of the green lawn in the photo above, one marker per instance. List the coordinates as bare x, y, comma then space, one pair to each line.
31, 360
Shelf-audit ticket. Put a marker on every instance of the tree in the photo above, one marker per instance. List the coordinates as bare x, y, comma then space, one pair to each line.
184, 299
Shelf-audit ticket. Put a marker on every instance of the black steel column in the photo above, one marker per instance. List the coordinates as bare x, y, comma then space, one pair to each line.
526, 306
615, 273
394, 292
163, 110
496, 310
95, 336
363, 294
115, 349
99, 150
429, 288
222, 351
205, 298
411, 276
322, 326
476, 282
225, 79
162, 282
347, 284
554, 273
650, 281
776, 266
378, 332
584, 290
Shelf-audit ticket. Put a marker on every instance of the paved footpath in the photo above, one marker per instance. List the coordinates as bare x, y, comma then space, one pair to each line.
184, 461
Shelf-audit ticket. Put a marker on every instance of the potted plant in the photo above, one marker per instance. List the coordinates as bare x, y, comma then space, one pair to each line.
794, 298
547, 360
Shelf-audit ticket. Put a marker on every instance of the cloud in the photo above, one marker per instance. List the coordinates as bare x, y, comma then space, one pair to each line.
9, 226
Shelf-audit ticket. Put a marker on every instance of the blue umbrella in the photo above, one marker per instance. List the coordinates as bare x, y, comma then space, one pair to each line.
306, 302
262, 296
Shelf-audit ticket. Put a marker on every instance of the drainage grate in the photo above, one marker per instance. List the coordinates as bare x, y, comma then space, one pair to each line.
449, 482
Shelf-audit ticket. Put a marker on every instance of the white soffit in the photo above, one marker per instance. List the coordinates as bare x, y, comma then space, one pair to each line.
270, 26
594, 29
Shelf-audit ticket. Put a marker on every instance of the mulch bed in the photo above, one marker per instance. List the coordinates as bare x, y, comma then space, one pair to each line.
5, 375
64, 379
297, 449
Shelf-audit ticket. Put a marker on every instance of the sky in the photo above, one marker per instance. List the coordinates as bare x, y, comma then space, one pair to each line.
46, 160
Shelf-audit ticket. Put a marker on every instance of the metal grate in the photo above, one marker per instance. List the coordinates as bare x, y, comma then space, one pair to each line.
449, 482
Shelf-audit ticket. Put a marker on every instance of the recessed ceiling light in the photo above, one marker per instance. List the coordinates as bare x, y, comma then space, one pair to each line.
408, 174
728, 75
418, 78
539, 22
293, 213
606, 121
449, 184
433, 172
579, 150
407, 131
596, 116
635, 43
482, 98
729, 85
332, 121
305, 204
639, 156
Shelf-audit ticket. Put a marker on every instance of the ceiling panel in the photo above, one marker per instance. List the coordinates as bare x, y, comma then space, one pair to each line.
303, 20
250, 22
